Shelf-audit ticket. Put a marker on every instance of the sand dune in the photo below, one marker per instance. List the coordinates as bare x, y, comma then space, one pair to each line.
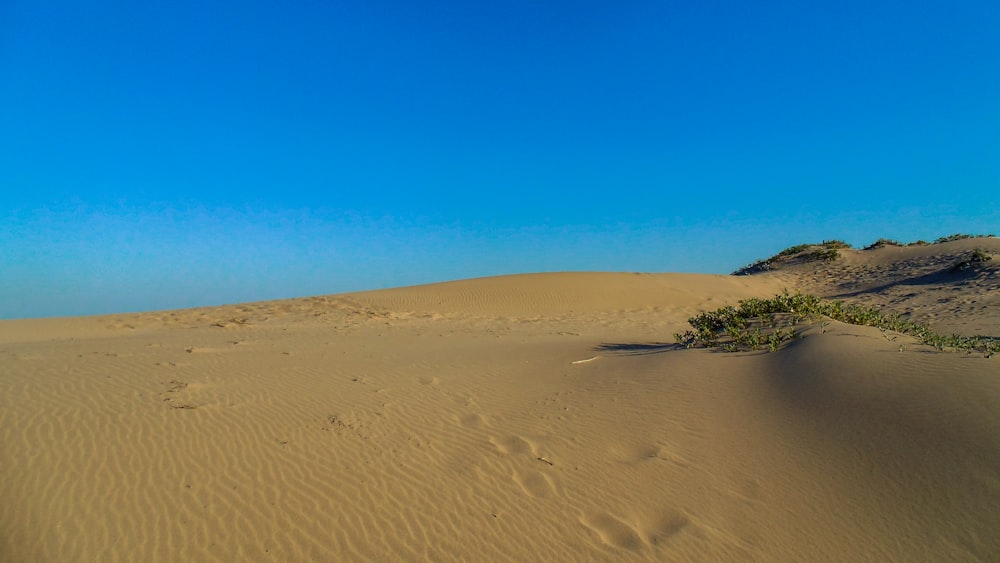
915, 280
540, 417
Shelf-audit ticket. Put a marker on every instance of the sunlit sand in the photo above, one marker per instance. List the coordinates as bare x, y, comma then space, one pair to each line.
543, 417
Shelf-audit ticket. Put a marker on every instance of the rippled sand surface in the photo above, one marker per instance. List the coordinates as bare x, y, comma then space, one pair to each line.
537, 417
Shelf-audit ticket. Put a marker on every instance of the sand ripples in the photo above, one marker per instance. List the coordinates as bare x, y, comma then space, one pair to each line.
456, 422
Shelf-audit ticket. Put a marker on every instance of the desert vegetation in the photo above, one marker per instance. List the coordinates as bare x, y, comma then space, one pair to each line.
756, 324
974, 259
828, 250
960, 236
825, 251
883, 242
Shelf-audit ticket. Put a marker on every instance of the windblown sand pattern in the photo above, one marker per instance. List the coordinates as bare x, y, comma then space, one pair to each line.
531, 418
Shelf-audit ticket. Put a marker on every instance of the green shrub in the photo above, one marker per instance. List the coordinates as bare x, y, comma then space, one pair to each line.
834, 244
792, 250
950, 238
975, 258
959, 236
827, 251
754, 324
883, 242
828, 254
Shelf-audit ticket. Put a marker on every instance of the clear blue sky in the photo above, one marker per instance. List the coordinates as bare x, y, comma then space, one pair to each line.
170, 154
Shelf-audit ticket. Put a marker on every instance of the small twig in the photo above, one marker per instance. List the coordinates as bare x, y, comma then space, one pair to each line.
545, 460
587, 360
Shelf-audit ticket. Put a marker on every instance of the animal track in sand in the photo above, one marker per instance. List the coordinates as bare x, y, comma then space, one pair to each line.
175, 387
349, 423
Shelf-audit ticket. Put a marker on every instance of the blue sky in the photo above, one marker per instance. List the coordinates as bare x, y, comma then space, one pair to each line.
160, 155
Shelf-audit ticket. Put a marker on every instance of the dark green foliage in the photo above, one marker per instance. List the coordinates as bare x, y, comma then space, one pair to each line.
959, 236
979, 256
827, 250
949, 238
885, 242
834, 244
827, 254
976, 257
766, 264
757, 323
792, 250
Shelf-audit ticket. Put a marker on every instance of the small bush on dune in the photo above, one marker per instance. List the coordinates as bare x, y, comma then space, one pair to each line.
792, 250
979, 256
883, 242
950, 238
768, 323
834, 244
827, 254
976, 258
827, 250
959, 236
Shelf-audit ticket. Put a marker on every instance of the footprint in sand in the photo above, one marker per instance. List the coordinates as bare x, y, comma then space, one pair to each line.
428, 380
665, 526
474, 420
534, 484
648, 453
513, 445
613, 531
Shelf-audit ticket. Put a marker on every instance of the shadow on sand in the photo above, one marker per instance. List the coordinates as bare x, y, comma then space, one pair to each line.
634, 349
945, 277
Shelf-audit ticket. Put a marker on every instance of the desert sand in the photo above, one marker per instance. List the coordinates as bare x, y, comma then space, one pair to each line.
543, 417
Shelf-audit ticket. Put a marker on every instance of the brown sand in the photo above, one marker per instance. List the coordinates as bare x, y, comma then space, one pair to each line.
526, 418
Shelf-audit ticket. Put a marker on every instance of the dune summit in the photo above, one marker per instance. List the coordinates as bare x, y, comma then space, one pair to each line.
542, 417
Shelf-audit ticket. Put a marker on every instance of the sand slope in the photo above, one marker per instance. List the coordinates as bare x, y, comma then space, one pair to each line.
915, 280
532, 418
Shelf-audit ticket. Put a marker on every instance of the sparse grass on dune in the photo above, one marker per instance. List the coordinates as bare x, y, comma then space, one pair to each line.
975, 258
834, 244
960, 236
883, 242
768, 323
828, 251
